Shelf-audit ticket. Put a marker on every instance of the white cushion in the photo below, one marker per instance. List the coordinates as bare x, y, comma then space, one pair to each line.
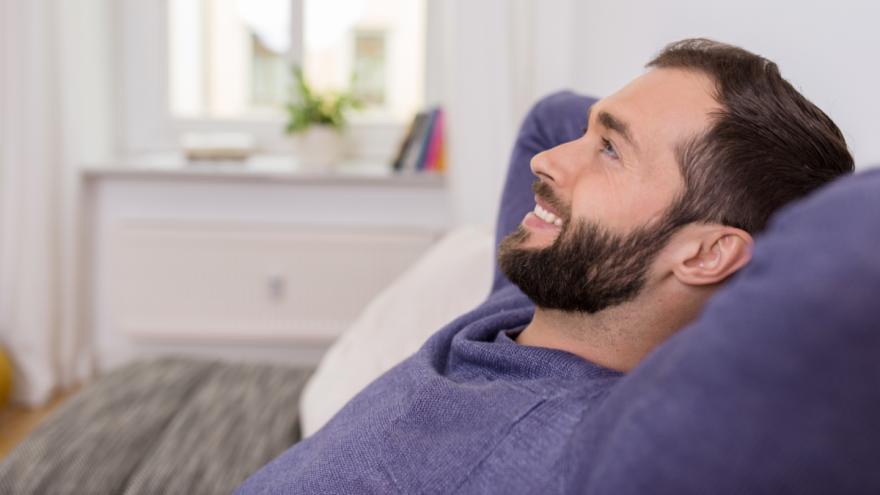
453, 277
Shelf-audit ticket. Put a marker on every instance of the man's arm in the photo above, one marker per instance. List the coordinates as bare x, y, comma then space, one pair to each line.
555, 119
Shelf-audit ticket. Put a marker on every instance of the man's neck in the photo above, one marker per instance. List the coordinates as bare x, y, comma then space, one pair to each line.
594, 337
619, 337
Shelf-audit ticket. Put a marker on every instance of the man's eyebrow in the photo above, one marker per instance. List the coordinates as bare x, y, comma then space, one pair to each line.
613, 123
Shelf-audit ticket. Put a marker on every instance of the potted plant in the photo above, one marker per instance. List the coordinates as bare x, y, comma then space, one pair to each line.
317, 120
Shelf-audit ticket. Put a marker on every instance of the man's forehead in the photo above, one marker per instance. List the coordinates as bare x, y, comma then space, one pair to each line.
662, 104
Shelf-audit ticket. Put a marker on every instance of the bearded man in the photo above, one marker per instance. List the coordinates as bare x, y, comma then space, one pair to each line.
632, 223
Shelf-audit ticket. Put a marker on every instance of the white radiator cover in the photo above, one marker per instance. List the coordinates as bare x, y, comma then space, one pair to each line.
191, 281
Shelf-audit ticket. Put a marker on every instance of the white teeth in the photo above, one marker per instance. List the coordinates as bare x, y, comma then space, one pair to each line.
547, 216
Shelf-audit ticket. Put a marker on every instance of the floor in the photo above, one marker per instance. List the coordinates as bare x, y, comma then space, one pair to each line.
16, 421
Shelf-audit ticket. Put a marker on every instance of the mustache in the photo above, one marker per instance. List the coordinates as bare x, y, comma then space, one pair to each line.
548, 195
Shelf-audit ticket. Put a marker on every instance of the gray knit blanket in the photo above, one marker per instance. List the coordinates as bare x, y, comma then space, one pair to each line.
172, 426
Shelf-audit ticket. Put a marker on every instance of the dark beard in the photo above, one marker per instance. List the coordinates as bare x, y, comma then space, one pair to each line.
586, 269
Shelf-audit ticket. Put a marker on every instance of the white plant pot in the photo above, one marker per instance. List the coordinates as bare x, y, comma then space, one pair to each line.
319, 147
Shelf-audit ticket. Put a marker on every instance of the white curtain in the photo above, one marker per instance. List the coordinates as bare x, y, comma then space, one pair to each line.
29, 191
48, 126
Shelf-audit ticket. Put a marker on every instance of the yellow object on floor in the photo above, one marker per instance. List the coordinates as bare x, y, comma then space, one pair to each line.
17, 422
5, 378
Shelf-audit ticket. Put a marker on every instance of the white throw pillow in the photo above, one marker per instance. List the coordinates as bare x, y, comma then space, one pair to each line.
453, 277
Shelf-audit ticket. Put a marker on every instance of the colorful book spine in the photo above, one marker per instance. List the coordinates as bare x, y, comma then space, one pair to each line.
435, 143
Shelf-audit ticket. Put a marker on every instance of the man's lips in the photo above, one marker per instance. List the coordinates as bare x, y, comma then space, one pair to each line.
543, 204
533, 221
542, 218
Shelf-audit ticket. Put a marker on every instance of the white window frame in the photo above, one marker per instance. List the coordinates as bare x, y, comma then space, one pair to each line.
147, 125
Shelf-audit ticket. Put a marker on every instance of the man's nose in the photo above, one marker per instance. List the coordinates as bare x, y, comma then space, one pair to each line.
555, 165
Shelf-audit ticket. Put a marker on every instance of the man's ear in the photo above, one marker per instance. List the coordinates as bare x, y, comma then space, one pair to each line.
714, 254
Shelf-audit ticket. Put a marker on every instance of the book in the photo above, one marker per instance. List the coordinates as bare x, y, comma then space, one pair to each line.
426, 139
435, 155
397, 164
414, 149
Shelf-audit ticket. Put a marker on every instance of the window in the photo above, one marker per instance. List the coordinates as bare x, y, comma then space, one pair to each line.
227, 58
232, 59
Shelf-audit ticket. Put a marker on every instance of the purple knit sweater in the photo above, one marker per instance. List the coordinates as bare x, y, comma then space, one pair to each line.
472, 411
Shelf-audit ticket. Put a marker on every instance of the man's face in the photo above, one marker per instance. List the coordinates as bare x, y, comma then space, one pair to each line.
608, 193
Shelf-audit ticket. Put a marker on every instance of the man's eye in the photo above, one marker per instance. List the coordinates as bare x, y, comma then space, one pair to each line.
608, 149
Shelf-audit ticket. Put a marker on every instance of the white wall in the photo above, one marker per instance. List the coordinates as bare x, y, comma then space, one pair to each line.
828, 50
478, 97
499, 57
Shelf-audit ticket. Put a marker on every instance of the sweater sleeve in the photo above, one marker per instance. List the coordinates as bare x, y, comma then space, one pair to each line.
555, 119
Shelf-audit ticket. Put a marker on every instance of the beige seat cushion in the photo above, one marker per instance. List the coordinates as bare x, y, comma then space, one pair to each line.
450, 279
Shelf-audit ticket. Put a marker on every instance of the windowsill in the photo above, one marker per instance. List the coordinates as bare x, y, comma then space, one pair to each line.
356, 121
260, 167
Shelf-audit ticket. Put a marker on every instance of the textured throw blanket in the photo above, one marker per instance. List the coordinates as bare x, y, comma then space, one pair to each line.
169, 426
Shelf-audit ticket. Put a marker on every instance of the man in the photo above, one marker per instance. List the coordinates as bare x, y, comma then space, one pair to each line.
634, 224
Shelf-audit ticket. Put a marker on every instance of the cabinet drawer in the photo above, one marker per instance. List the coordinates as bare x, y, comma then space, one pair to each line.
199, 280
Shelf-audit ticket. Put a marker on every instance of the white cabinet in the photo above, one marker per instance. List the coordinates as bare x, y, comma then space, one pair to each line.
246, 265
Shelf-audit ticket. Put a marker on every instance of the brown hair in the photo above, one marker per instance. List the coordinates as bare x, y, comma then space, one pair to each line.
768, 145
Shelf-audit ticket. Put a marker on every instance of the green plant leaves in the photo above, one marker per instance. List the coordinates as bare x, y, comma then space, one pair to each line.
310, 107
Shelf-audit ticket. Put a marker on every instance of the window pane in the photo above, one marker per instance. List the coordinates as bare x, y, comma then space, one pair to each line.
379, 42
228, 58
